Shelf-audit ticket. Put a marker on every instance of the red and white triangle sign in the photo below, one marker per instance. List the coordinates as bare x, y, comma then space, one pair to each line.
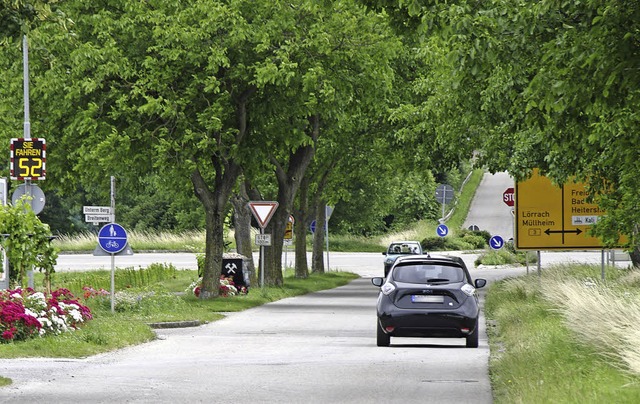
262, 211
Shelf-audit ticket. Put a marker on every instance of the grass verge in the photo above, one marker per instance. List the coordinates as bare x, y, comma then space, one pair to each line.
467, 193
129, 324
570, 347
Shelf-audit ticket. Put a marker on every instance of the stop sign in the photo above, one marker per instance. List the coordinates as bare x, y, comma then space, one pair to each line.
508, 196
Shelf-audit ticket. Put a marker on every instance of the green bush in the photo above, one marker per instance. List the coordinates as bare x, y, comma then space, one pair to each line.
445, 244
485, 235
458, 244
506, 255
477, 241
433, 244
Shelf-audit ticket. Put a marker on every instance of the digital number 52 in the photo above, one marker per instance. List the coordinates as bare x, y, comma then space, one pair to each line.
30, 170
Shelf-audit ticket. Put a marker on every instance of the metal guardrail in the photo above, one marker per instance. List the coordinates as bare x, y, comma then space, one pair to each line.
448, 215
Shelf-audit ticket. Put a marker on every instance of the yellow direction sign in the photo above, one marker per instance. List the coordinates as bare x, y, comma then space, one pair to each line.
288, 230
553, 217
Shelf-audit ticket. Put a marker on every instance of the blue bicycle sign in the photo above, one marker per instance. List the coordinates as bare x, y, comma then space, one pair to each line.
112, 238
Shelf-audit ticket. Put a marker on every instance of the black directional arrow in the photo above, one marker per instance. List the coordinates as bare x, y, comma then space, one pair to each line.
549, 231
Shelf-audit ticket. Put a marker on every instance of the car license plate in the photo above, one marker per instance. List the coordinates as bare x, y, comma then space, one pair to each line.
427, 299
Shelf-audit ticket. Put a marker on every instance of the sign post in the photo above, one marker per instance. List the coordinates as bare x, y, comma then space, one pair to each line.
444, 195
263, 212
328, 210
288, 238
112, 239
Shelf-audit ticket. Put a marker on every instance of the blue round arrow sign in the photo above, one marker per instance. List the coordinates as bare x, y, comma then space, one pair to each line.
496, 242
442, 230
112, 238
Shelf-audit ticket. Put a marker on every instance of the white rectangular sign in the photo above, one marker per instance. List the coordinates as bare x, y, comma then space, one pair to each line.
263, 239
98, 218
96, 210
3, 191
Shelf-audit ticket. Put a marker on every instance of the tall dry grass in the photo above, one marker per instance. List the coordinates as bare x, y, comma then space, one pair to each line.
605, 315
192, 241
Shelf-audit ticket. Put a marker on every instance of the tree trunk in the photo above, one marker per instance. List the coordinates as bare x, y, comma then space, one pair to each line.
242, 220
317, 259
214, 248
300, 231
216, 198
635, 257
273, 254
214, 236
288, 184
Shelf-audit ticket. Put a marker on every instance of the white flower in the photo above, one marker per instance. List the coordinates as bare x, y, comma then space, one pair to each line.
76, 315
38, 296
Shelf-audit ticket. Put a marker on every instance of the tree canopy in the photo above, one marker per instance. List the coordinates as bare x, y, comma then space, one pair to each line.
181, 101
542, 84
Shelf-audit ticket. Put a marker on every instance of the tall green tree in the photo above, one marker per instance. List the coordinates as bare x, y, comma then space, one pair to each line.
156, 88
337, 59
556, 84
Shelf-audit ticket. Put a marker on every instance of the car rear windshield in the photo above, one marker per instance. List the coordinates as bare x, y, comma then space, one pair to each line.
428, 273
404, 248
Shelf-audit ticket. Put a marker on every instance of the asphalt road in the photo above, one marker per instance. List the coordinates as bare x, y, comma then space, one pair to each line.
488, 211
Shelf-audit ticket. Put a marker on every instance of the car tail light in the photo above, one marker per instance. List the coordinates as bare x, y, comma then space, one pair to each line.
389, 328
387, 288
468, 289
465, 330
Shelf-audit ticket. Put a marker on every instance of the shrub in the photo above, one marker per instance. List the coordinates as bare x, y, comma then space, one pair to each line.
506, 256
475, 240
433, 244
485, 235
445, 244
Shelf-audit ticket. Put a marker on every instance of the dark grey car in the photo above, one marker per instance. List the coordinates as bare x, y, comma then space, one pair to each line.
425, 296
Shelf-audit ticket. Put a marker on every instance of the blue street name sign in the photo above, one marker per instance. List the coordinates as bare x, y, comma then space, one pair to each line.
442, 230
496, 242
112, 238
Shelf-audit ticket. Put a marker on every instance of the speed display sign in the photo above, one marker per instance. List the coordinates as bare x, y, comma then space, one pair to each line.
28, 159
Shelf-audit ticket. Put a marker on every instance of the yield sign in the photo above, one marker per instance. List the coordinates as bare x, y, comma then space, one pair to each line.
263, 211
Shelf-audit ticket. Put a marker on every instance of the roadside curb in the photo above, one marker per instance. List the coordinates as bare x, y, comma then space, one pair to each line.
176, 324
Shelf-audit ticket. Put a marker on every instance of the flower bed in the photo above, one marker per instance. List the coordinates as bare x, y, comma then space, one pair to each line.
227, 287
26, 313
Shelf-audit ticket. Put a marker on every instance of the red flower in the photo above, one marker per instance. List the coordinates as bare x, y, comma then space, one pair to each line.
8, 334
